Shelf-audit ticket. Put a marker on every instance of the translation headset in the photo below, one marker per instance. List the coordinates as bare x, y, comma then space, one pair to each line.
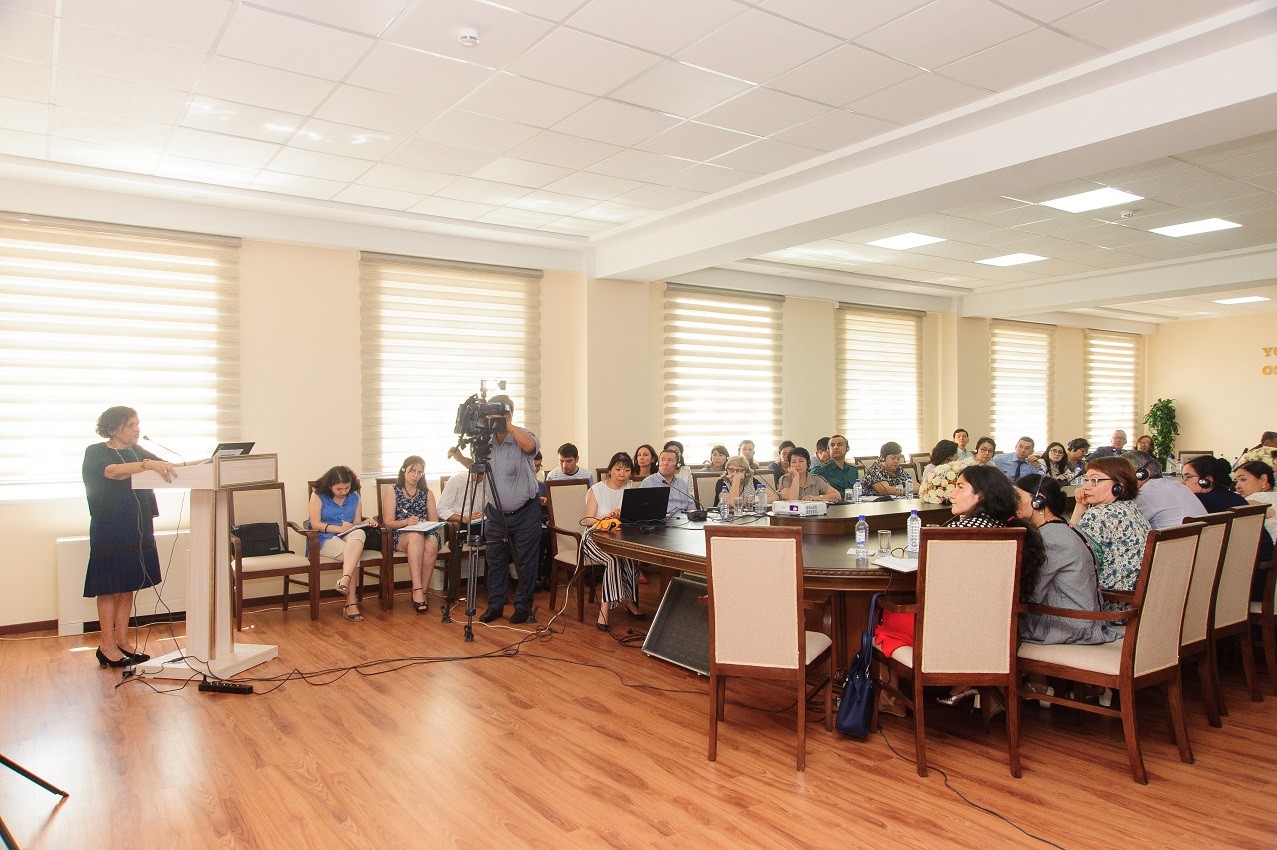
1038, 501
1118, 489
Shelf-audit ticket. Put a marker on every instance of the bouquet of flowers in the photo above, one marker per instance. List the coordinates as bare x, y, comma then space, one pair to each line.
1264, 454
937, 485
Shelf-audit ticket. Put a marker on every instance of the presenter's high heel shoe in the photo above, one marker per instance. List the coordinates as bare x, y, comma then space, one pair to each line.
106, 662
134, 657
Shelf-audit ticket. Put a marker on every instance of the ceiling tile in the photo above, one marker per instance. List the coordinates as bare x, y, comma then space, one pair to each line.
482, 191
517, 218
477, 132
554, 10
638, 165
614, 213
369, 17
293, 184
917, 98
387, 176
1250, 165
615, 123
582, 62
24, 80
24, 116
372, 196
311, 164
707, 178
433, 156
433, 26
658, 197
521, 172
1184, 179
313, 50
228, 150
747, 47
1027, 57
844, 75
27, 36
662, 26
103, 156
244, 82
389, 113
762, 112
1264, 199
552, 203
451, 208
199, 171
237, 119
944, 31
679, 89
124, 57
834, 130
340, 139
564, 150
599, 187
765, 156
1047, 10
20, 143
109, 130
410, 73
1113, 24
1228, 150
695, 141
193, 24
524, 101
833, 15
577, 226
87, 93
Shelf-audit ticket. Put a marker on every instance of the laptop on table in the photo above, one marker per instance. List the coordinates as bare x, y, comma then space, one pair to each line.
645, 504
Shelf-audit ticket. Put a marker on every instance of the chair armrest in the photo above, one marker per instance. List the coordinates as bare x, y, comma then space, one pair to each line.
573, 534
898, 604
1118, 595
1075, 614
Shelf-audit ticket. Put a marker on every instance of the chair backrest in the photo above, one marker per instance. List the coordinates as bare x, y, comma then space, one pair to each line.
920, 458
703, 484
1152, 638
764, 474
435, 486
866, 461
1185, 455
755, 580
566, 501
1232, 600
968, 591
258, 503
600, 473
386, 499
1201, 588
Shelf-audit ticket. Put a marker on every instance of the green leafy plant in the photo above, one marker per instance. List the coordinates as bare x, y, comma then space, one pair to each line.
1163, 426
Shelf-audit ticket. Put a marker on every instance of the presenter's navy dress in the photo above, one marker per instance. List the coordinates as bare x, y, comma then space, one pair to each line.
122, 553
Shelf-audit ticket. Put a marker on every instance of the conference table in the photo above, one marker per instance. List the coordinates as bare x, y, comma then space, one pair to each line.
829, 560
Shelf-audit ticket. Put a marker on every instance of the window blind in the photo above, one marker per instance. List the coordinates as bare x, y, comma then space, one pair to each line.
722, 369
1021, 360
879, 393
431, 331
1114, 375
95, 315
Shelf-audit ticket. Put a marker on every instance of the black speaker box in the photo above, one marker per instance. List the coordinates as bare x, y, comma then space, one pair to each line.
680, 629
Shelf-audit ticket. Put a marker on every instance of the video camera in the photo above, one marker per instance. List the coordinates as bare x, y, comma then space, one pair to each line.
473, 423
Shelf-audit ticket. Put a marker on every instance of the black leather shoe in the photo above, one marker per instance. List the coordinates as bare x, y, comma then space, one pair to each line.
637, 615
134, 657
490, 615
106, 662
520, 617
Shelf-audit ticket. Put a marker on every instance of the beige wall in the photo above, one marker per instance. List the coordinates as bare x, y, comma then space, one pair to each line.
1214, 372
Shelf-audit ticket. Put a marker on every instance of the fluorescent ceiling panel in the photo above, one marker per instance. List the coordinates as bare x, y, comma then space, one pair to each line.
1096, 199
1011, 260
905, 241
1190, 228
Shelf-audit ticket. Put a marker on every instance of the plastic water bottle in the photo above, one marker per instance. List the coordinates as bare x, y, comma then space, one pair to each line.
855, 490
908, 487
862, 542
914, 525
760, 498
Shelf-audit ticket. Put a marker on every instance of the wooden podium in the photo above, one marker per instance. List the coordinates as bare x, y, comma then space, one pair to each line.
210, 646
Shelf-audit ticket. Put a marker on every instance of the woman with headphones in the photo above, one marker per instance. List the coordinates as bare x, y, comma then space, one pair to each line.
1210, 478
1068, 577
1106, 514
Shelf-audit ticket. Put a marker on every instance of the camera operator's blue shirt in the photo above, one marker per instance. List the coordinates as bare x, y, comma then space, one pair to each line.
512, 474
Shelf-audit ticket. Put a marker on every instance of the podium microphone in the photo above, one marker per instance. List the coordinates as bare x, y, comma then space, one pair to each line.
166, 448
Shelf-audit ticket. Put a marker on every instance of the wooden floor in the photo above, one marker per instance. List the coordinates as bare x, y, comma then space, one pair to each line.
575, 741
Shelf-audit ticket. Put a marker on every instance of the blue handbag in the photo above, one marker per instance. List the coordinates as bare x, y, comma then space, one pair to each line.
857, 695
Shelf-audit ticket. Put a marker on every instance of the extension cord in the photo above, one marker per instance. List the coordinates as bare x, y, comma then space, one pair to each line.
213, 687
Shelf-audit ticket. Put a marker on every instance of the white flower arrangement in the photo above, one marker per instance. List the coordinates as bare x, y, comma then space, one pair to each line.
937, 485
1264, 454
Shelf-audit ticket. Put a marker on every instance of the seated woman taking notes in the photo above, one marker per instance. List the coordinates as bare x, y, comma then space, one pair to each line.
336, 511
415, 504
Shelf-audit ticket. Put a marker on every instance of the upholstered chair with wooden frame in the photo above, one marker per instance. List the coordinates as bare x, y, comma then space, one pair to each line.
1232, 600
919, 460
386, 513
1147, 655
769, 477
1196, 645
1185, 455
267, 503
703, 486
1263, 614
762, 635
566, 501
373, 562
965, 627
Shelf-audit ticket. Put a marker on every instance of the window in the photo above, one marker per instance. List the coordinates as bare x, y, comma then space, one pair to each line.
722, 369
95, 315
1113, 378
1021, 358
880, 394
431, 332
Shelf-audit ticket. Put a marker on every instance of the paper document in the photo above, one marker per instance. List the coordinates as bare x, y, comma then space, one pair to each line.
900, 565
424, 526
347, 531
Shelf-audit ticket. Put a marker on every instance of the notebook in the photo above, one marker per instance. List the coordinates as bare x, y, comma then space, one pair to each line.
645, 504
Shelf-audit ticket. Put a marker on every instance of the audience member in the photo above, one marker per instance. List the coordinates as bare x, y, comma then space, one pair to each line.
961, 437
620, 575
1077, 450
1254, 482
944, 451
1115, 447
822, 450
454, 491
1107, 515
984, 449
415, 503
717, 460
746, 450
886, 477
840, 473
644, 462
569, 468
1144, 443
801, 485
336, 512
737, 483
1268, 439
1163, 501
667, 476
780, 466
1022, 462
1209, 479
1056, 462
681, 469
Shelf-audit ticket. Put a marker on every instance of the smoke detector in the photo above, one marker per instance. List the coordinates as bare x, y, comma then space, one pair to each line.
1127, 213
468, 37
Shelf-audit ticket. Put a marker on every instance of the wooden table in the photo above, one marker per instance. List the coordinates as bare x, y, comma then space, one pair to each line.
890, 516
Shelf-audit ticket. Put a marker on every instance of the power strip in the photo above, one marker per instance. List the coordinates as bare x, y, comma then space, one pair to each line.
209, 686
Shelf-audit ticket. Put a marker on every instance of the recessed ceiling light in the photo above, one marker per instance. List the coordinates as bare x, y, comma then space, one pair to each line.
905, 241
1093, 200
1011, 260
1245, 299
1189, 228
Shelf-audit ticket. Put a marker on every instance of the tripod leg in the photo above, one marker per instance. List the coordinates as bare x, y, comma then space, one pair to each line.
19, 769
6, 837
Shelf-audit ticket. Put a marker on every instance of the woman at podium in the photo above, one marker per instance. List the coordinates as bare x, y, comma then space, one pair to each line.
122, 554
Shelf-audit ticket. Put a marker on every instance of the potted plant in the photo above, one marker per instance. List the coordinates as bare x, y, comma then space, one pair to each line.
1163, 427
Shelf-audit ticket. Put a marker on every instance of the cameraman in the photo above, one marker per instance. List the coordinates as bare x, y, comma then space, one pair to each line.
512, 480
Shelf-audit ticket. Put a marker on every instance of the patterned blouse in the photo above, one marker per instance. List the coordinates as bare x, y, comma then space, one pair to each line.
1116, 532
977, 521
405, 507
878, 474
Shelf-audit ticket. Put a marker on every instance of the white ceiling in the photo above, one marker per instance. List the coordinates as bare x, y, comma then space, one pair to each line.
610, 125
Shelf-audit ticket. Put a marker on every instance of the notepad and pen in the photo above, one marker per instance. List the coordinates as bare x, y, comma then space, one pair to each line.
425, 526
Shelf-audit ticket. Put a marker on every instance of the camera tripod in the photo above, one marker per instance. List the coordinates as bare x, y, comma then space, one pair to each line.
6, 837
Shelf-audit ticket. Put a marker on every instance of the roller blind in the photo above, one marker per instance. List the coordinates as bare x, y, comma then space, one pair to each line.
95, 315
431, 331
879, 392
1113, 379
722, 357
1021, 374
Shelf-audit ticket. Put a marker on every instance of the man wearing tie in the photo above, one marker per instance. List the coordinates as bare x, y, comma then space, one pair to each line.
1022, 463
